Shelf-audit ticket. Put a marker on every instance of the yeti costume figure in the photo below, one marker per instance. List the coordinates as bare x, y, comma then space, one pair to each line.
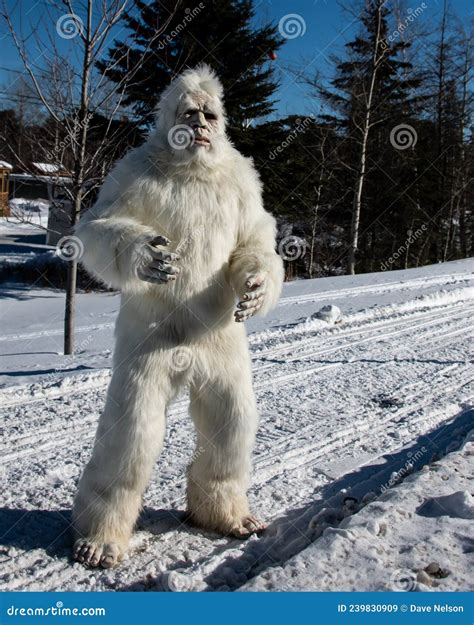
179, 227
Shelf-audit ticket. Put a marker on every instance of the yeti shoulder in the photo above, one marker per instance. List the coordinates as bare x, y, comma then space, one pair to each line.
245, 173
126, 170
134, 173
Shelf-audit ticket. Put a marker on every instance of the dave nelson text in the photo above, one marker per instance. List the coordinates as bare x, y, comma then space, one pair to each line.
437, 607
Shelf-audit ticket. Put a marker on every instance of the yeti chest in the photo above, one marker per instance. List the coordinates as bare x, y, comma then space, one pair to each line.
201, 223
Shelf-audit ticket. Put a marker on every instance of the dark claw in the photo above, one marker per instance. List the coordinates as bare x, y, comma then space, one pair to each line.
160, 240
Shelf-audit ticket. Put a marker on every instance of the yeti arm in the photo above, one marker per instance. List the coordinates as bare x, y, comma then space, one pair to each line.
116, 244
256, 270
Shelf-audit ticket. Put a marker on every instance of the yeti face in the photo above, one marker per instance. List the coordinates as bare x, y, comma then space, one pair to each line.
201, 115
199, 130
190, 124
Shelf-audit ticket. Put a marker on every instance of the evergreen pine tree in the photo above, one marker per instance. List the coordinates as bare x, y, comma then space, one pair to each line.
373, 91
220, 33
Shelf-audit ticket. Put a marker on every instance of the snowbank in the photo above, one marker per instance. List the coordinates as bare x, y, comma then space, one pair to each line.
25, 215
415, 536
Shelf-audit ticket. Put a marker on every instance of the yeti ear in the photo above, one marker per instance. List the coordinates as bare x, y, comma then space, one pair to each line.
181, 97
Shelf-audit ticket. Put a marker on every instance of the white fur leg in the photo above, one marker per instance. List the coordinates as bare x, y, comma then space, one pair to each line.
224, 411
128, 439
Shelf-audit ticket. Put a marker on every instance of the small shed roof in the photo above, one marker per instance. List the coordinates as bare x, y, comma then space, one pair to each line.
5, 165
22, 177
48, 168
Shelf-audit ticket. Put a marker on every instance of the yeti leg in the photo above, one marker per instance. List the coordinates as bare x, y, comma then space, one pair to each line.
128, 440
225, 415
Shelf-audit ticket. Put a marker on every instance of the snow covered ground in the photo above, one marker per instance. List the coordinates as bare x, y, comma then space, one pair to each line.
26, 214
353, 406
23, 233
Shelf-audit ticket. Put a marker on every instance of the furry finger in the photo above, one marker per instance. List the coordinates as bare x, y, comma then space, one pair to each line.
251, 304
155, 277
243, 315
164, 255
250, 312
255, 294
162, 267
255, 280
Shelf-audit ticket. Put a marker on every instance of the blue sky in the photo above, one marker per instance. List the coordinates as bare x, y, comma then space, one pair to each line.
328, 28
324, 28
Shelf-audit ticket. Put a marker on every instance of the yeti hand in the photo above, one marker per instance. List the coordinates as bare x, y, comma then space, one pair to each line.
252, 299
155, 264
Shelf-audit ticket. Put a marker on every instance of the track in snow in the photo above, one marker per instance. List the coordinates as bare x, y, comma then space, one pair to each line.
334, 403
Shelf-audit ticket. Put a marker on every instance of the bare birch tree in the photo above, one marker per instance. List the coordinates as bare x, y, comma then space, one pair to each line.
70, 40
363, 128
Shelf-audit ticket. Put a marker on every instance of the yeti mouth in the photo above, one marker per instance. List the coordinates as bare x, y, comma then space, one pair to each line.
202, 141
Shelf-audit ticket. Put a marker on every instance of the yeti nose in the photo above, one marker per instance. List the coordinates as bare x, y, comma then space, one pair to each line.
201, 120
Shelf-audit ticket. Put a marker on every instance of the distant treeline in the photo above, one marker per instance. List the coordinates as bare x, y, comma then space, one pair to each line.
378, 177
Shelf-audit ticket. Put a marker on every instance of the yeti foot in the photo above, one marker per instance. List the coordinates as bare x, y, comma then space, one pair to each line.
248, 526
94, 554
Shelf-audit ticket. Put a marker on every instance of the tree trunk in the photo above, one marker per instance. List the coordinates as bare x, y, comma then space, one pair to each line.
355, 223
78, 181
315, 220
70, 309
359, 186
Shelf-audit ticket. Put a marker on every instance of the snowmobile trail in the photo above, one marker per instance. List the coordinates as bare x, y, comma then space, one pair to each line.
341, 406
404, 285
23, 445
457, 278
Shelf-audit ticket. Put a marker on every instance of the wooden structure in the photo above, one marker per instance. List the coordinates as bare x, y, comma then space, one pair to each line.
5, 169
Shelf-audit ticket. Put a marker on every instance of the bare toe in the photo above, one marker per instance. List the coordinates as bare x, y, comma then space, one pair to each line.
95, 554
80, 550
111, 556
254, 525
249, 525
239, 531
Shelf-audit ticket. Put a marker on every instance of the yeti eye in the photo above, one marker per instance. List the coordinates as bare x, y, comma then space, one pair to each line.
210, 116
190, 112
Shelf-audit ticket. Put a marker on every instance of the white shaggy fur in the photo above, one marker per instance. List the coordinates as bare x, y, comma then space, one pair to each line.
208, 203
